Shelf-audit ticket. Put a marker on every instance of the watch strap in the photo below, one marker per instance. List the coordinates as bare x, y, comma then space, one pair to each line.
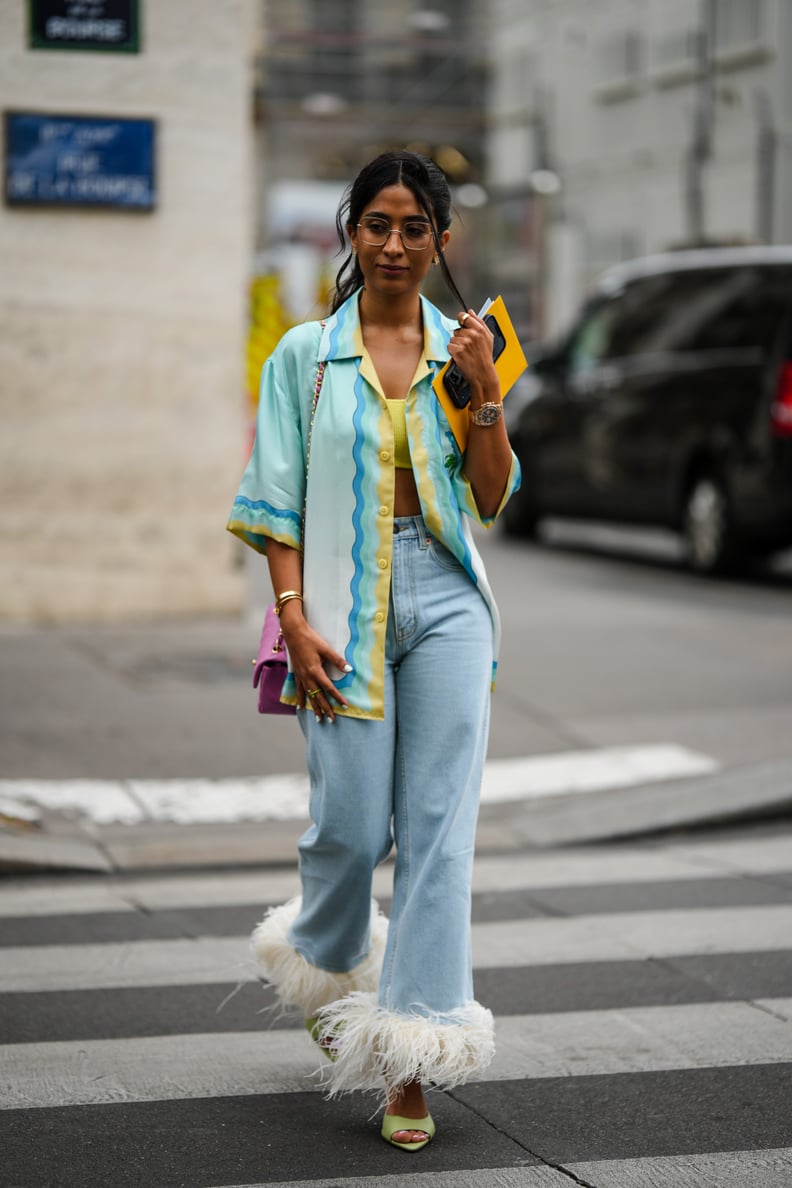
488, 414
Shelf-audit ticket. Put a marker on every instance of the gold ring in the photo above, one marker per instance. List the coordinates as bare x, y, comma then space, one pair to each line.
463, 318
312, 693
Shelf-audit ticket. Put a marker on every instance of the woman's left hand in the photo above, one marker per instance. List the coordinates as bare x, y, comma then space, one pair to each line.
471, 349
488, 456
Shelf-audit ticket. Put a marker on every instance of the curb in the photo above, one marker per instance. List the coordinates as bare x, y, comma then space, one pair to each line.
57, 843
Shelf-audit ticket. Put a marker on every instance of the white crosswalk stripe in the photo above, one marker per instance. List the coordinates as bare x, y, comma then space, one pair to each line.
286, 796
708, 1040
586, 1043
516, 943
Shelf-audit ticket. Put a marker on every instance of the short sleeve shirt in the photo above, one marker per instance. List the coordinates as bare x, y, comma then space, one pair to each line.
349, 500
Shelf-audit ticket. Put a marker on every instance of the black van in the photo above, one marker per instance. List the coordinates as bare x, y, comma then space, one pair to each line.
669, 404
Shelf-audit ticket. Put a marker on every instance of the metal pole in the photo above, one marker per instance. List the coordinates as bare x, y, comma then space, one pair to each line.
766, 148
700, 149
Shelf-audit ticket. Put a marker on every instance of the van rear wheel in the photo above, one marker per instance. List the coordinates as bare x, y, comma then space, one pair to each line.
708, 528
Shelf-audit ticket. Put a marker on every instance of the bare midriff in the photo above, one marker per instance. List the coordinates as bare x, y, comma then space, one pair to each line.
395, 359
406, 502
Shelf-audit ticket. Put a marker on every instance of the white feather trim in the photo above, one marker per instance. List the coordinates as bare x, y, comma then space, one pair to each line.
378, 1049
296, 981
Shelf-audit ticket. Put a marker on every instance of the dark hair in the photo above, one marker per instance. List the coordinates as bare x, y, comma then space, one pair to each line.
397, 167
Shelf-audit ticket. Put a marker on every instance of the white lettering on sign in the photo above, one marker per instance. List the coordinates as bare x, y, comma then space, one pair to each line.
96, 133
79, 162
21, 184
53, 131
70, 29
130, 189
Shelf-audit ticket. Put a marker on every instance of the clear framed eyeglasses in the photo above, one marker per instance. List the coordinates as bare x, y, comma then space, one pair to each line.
415, 235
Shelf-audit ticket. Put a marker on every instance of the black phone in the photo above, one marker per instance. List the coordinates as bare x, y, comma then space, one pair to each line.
454, 381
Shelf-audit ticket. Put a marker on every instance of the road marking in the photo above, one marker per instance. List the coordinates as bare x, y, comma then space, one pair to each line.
728, 1169
486, 1177
285, 797
666, 861
590, 771
632, 936
515, 943
583, 1043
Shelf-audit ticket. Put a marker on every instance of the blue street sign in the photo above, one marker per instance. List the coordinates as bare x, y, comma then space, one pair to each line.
79, 161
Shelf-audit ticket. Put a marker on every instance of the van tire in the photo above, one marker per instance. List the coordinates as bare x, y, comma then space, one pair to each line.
707, 527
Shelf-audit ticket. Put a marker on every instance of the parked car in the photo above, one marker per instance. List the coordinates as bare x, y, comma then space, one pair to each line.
669, 403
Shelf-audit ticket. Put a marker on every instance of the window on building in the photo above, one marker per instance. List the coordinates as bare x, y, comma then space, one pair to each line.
336, 51
622, 56
740, 24
679, 48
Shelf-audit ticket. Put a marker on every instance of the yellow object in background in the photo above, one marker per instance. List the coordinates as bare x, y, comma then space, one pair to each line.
268, 323
510, 365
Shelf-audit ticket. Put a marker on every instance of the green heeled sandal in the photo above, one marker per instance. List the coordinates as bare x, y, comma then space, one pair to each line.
392, 1123
312, 1028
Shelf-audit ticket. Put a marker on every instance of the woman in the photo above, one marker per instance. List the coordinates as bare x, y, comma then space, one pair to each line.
391, 632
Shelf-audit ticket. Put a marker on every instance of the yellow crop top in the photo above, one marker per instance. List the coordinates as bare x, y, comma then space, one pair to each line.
401, 447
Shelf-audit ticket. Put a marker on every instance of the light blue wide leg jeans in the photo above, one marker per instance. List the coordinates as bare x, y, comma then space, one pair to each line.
413, 780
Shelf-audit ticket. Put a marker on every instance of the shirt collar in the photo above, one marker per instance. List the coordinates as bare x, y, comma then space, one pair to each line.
342, 337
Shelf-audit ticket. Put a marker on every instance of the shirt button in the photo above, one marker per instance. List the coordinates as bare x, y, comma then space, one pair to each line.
383, 564
384, 455
384, 510
380, 617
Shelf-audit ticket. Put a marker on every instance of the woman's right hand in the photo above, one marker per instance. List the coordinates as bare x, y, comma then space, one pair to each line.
308, 654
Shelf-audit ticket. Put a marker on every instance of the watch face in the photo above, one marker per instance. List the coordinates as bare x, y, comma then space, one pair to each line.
488, 414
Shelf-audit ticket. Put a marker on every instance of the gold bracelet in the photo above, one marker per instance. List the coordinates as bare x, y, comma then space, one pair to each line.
285, 597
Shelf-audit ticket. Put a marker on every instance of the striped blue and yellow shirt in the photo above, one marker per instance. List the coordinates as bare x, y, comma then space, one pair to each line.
351, 486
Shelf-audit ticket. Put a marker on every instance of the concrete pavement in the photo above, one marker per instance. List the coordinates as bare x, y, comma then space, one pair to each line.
86, 708
56, 841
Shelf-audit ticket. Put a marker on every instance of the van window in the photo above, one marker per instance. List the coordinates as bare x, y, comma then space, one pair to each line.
644, 320
700, 310
589, 343
736, 308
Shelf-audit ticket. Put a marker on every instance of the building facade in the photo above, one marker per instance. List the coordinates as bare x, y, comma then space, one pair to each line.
339, 81
596, 130
122, 331
645, 124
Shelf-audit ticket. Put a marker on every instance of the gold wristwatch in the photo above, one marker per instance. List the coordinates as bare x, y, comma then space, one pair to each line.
488, 414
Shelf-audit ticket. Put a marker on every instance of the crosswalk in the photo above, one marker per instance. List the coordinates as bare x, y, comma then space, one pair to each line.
643, 1004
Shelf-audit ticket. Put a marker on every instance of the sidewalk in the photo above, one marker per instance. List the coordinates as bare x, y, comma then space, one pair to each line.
133, 713
52, 840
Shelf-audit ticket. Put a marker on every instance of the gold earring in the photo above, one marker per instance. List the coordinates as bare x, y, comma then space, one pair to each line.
436, 259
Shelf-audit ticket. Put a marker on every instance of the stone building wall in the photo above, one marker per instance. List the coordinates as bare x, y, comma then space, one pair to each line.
122, 334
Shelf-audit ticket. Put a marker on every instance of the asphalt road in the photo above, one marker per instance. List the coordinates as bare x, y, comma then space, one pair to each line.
610, 641
607, 641
640, 989
642, 1012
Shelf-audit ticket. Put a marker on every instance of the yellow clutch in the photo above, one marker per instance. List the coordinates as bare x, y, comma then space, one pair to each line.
510, 363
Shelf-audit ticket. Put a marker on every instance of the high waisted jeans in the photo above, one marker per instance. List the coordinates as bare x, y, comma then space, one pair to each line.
413, 779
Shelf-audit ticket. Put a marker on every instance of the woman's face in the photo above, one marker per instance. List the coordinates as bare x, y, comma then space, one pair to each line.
397, 266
